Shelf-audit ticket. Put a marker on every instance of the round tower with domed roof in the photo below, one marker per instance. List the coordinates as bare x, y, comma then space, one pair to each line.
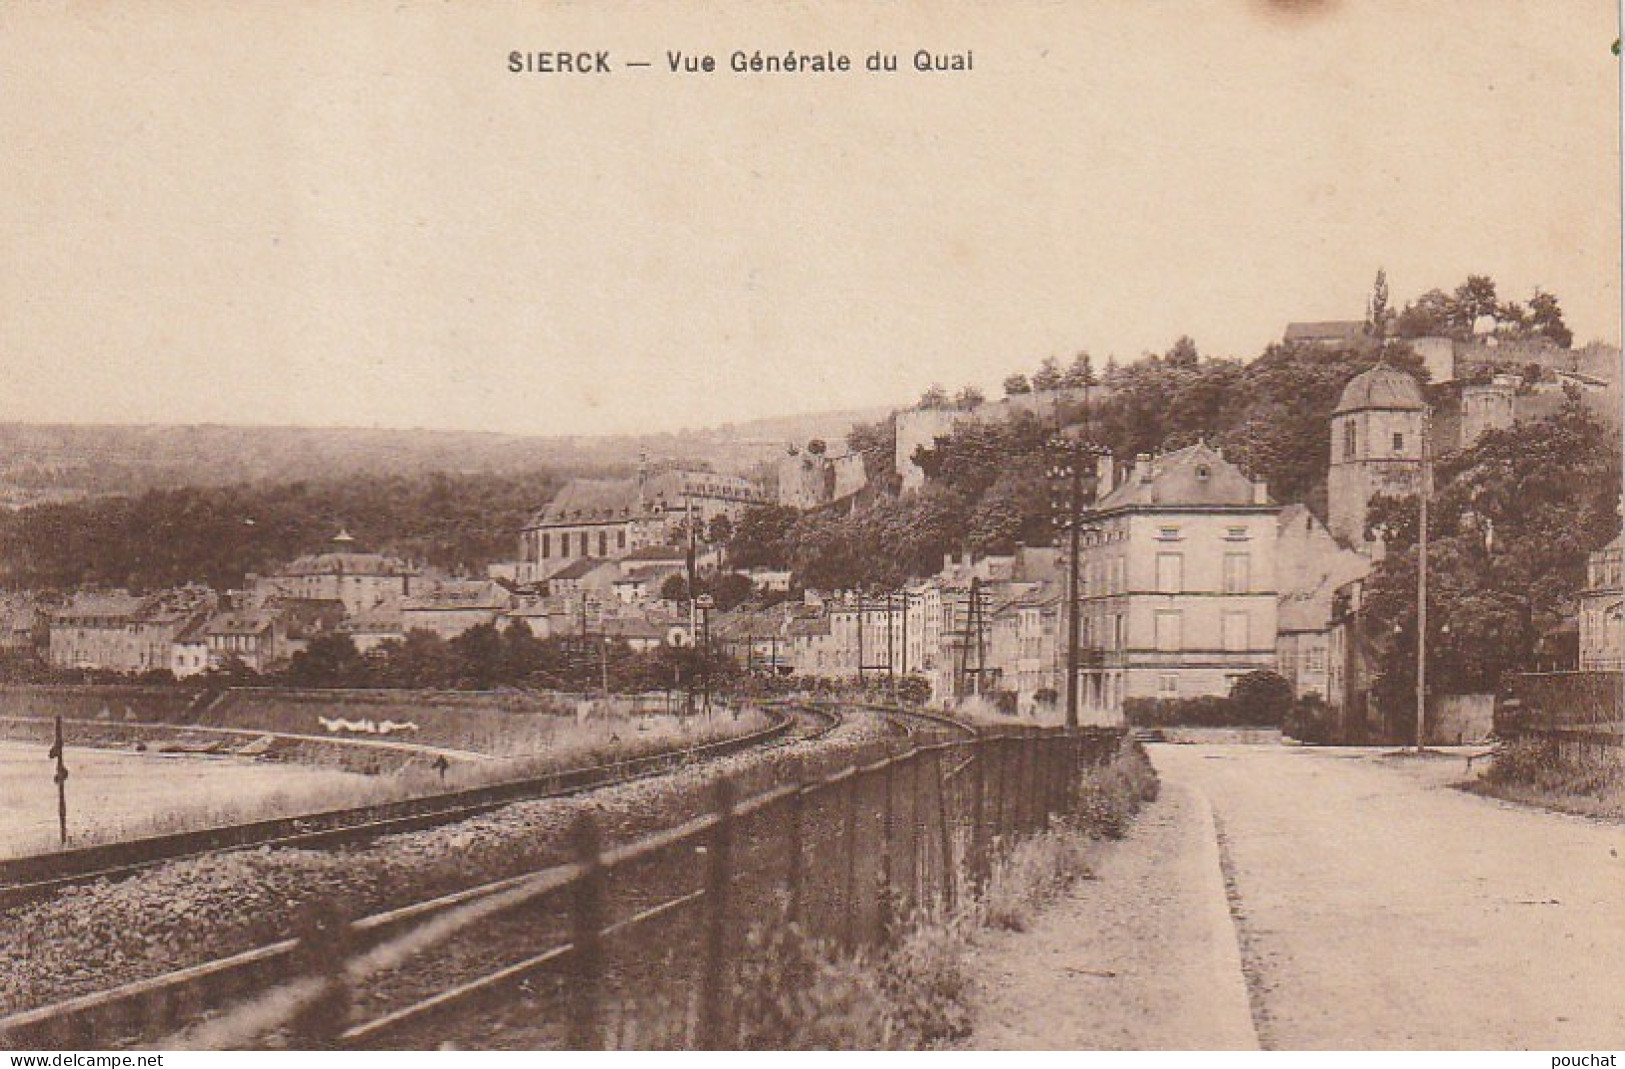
1376, 447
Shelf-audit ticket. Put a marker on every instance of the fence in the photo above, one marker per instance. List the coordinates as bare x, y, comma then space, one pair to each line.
642, 944
1578, 716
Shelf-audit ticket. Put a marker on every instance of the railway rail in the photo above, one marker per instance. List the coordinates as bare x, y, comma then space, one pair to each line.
31, 878
142, 1009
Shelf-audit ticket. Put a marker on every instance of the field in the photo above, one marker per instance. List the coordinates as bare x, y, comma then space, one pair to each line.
110, 792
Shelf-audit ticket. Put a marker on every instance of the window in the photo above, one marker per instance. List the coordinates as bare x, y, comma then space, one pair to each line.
1238, 577
1235, 534
1399, 441
1317, 659
1170, 573
1168, 534
547, 546
1349, 440
1235, 632
603, 543
620, 538
1167, 686
1169, 639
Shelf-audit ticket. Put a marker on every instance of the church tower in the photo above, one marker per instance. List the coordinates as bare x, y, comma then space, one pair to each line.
1376, 448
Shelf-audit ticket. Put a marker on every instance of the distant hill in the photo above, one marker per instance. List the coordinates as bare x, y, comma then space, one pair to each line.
62, 462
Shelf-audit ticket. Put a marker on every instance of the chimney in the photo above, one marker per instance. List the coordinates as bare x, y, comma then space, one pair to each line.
1261, 493
1142, 467
1105, 475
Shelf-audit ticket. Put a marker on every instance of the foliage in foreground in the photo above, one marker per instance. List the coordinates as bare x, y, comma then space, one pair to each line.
801, 993
1535, 763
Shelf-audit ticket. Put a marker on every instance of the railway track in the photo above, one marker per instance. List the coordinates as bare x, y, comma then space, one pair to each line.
146, 1010
29, 879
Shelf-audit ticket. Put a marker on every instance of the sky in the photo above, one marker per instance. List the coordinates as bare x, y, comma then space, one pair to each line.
354, 214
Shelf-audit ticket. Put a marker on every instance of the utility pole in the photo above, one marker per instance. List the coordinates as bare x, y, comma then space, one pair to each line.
860, 640
61, 778
1074, 481
1422, 593
705, 603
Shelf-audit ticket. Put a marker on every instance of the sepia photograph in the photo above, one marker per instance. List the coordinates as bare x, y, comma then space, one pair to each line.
611, 525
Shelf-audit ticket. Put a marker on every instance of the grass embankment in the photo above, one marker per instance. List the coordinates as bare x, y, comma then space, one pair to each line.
1532, 772
799, 993
222, 795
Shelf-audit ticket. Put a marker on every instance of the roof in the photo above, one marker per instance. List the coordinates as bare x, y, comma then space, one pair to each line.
193, 633
631, 627
609, 500
347, 564
808, 626
1325, 330
380, 618
113, 603
240, 623
580, 569
584, 500
1195, 475
467, 594
672, 554
648, 573
1380, 387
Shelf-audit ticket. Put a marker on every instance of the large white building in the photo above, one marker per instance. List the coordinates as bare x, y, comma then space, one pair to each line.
1177, 581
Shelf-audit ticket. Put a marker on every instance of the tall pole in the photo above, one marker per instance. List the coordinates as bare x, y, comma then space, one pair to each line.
1074, 509
905, 630
1422, 595
61, 778
860, 640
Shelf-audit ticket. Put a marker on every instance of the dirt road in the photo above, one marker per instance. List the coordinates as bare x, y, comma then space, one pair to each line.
1379, 908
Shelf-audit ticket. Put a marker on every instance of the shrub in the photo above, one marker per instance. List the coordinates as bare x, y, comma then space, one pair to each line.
1261, 697
794, 992
1309, 721
928, 985
1111, 795
1031, 874
1537, 763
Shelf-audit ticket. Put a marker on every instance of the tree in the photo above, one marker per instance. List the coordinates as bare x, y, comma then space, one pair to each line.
968, 398
1183, 353
1474, 299
329, 660
760, 539
730, 589
720, 531
1082, 372
934, 397
1015, 385
1378, 314
817, 447
675, 587
1546, 319
1048, 376
1490, 601
1431, 315
477, 656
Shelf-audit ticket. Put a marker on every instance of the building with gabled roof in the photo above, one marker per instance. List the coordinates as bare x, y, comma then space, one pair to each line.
453, 606
1329, 333
1177, 581
122, 632
614, 518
